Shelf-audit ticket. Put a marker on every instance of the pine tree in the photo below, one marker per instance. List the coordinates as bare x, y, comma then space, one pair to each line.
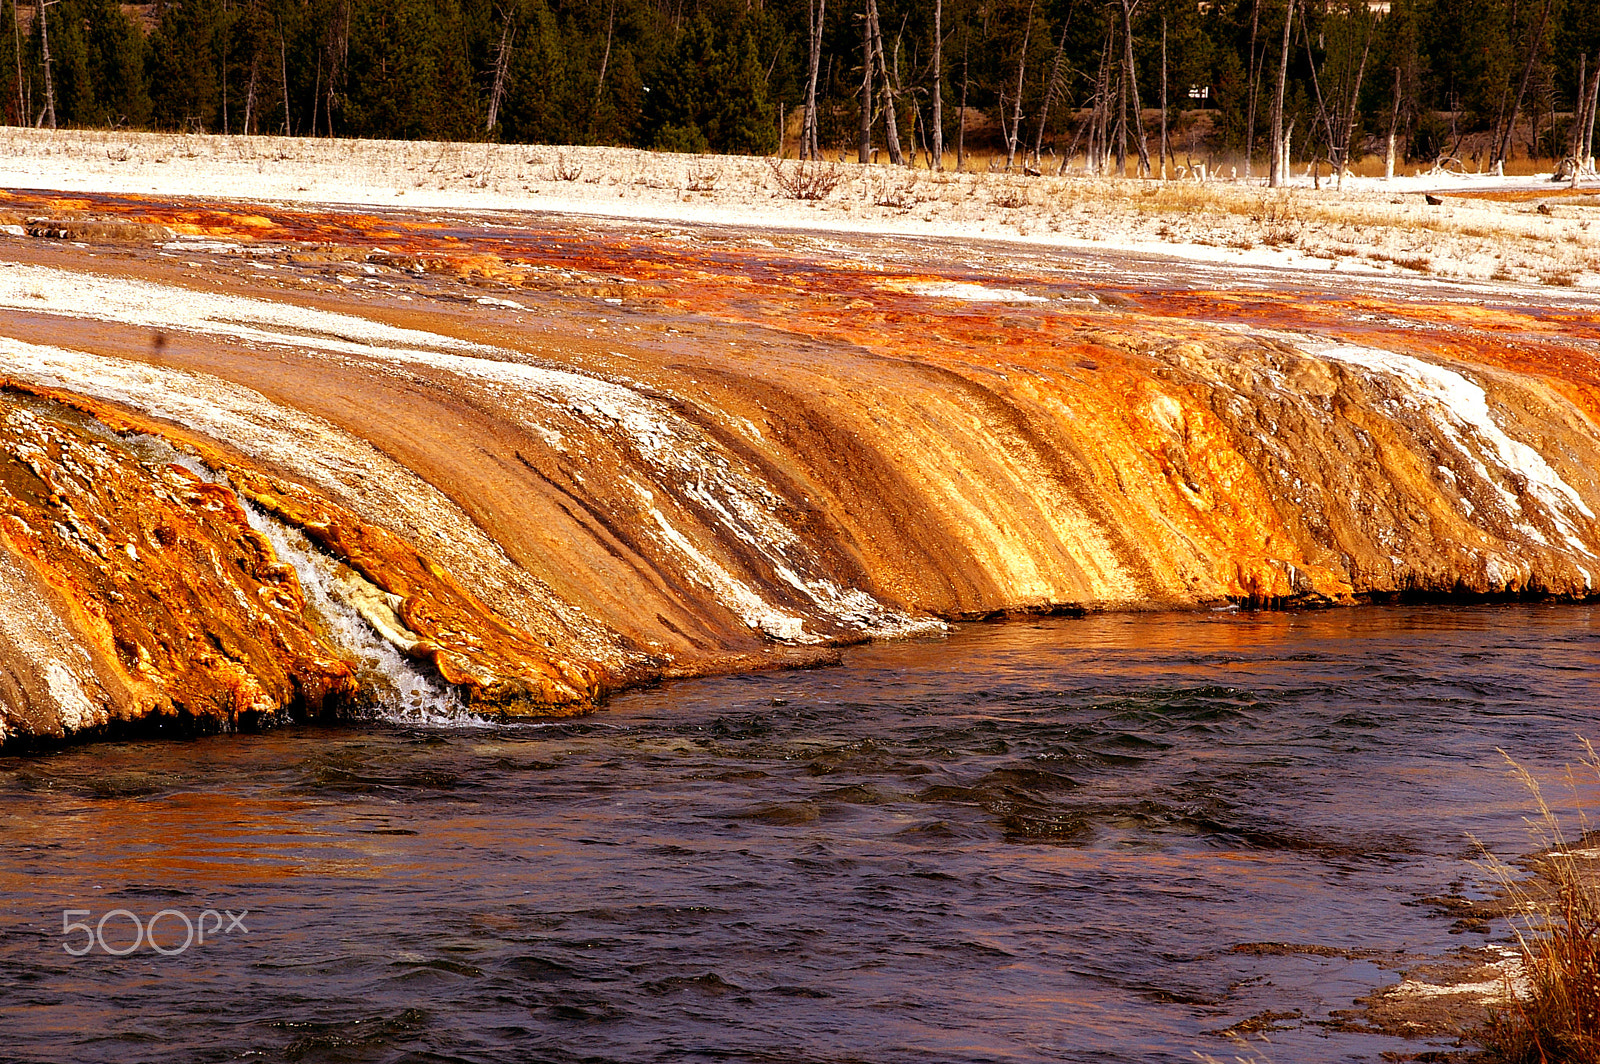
710, 90
539, 102
409, 74
114, 62
12, 79
184, 64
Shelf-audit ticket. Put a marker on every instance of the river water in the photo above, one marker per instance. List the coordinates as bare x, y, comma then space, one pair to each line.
1036, 840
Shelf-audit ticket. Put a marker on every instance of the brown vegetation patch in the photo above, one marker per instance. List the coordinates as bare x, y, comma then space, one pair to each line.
98, 230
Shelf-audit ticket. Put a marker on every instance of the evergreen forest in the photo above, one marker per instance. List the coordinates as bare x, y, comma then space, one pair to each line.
923, 80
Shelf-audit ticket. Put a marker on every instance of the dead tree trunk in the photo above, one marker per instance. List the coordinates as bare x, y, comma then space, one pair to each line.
961, 119
1275, 174
1580, 107
1580, 113
815, 12
502, 64
1349, 126
327, 108
250, 94
1255, 90
1594, 105
283, 72
1005, 130
1535, 43
864, 143
1122, 122
937, 152
1072, 148
1133, 83
1582, 141
1163, 97
1099, 157
1016, 114
1394, 127
338, 50
1050, 85
49, 114
605, 63
1322, 110
891, 130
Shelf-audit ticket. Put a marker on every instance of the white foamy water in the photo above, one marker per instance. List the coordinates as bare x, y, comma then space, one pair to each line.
405, 693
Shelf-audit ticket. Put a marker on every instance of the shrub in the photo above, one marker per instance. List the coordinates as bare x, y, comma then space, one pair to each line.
684, 139
806, 181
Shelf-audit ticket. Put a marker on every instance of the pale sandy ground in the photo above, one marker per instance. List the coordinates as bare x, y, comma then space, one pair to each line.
1371, 225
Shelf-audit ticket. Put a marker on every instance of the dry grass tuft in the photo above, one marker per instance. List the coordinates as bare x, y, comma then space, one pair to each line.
703, 178
564, 171
897, 195
1009, 198
1555, 1019
1420, 263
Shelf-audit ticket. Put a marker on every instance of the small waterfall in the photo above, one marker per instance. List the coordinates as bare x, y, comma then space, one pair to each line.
405, 694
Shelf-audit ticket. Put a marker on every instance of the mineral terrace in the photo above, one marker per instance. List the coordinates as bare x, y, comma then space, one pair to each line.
548, 457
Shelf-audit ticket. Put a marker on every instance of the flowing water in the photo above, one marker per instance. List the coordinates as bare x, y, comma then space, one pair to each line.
1025, 841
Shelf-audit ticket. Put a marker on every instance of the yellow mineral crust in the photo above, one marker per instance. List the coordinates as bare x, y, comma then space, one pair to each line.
554, 468
140, 590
